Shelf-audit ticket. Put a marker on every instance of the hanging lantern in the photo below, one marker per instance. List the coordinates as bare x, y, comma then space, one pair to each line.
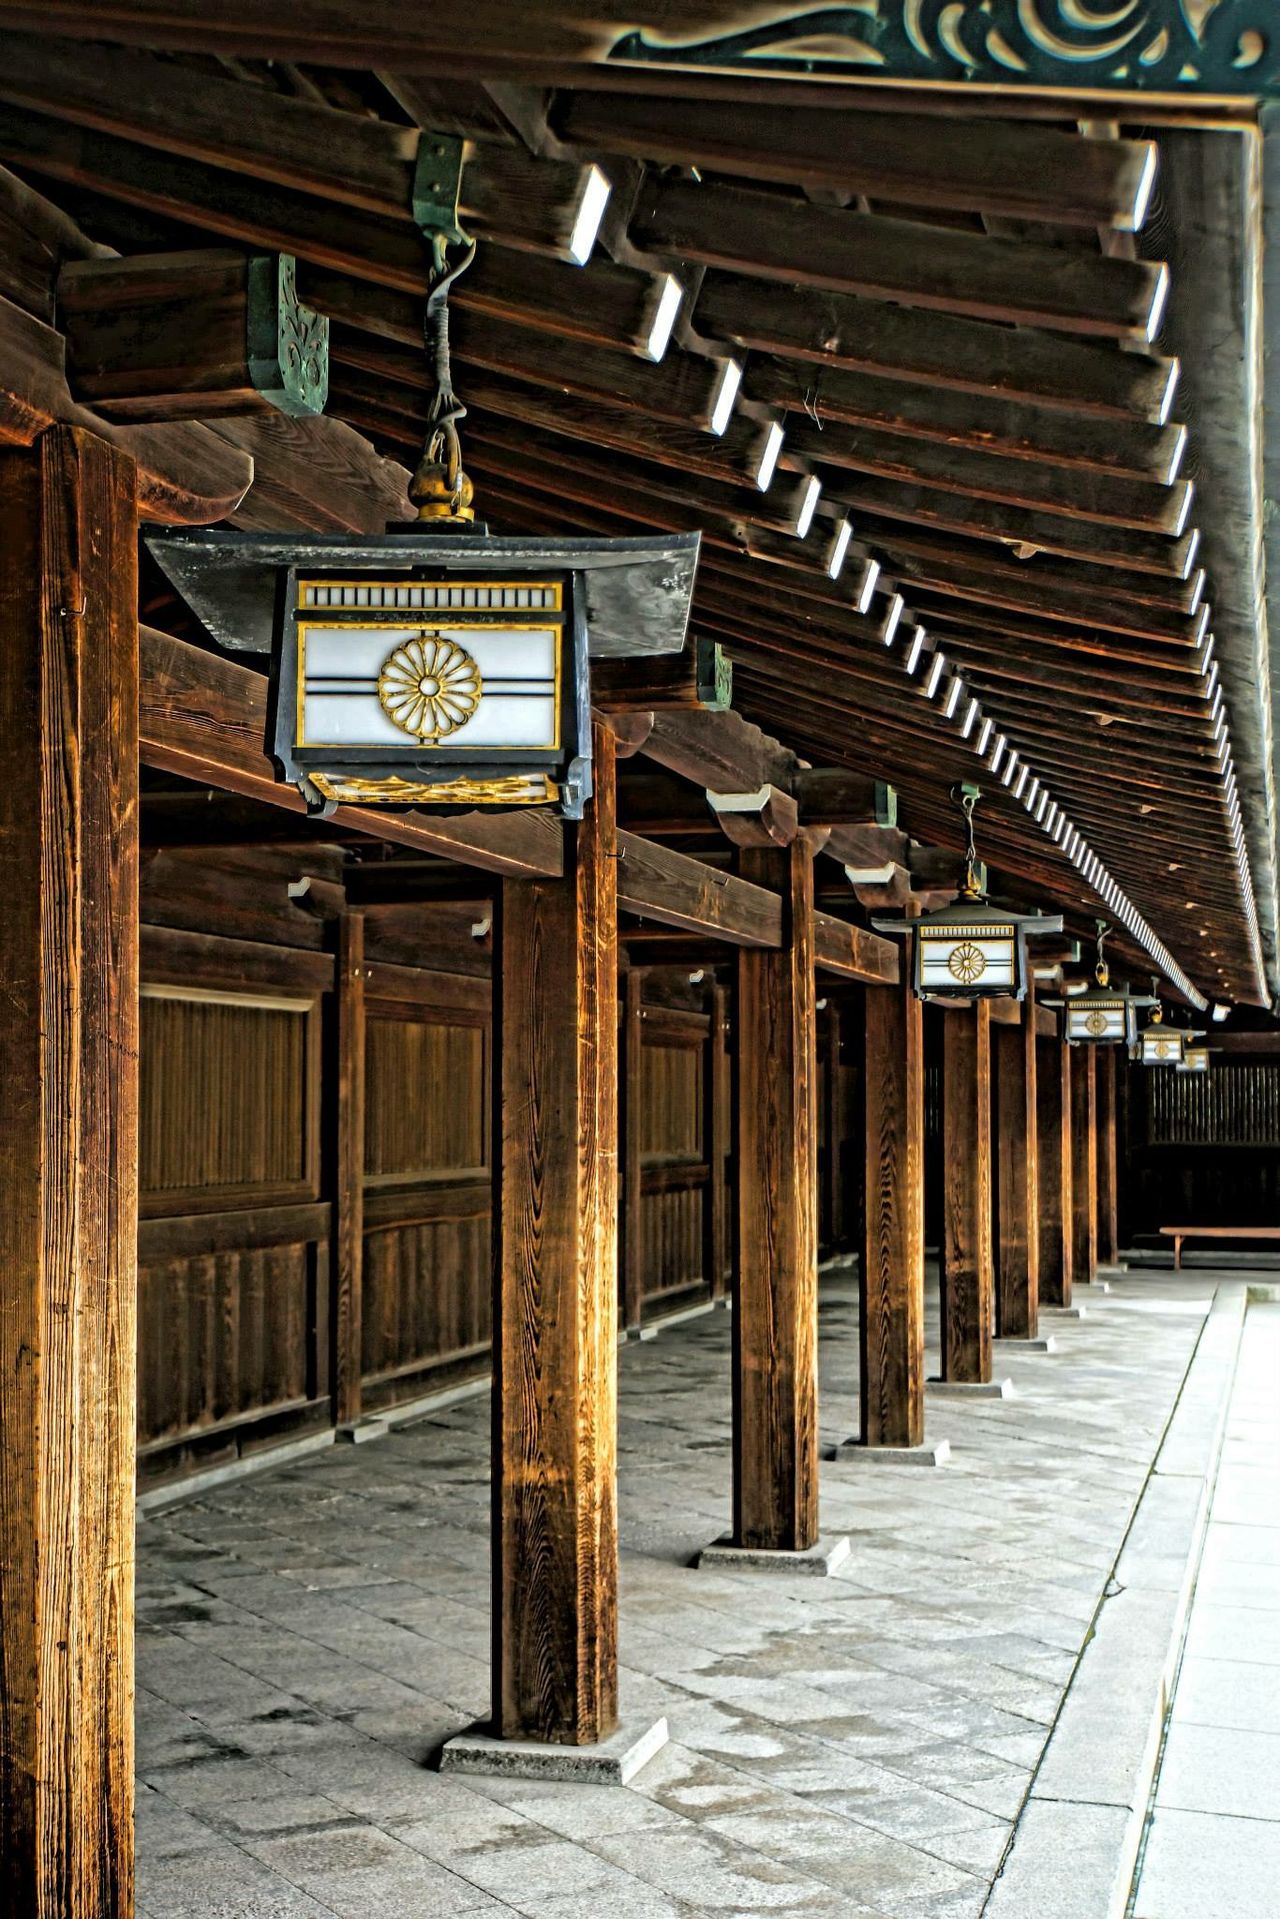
1102, 1014
434, 665
972, 950
1161, 1045
1195, 1059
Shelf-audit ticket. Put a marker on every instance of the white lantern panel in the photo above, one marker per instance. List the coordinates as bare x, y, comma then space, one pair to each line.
1098, 1024
956, 959
1161, 1046
492, 687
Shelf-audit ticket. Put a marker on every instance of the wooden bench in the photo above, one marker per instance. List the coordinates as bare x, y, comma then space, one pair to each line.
1178, 1233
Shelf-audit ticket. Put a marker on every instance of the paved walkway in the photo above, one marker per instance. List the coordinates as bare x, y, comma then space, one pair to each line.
1213, 1850
855, 1746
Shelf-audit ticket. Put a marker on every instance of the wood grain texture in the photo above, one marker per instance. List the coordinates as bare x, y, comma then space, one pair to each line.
717, 1097
775, 1321
68, 1166
630, 1116
1053, 1135
968, 1307
1084, 1165
892, 1278
347, 1146
1017, 1180
555, 1550
1108, 1156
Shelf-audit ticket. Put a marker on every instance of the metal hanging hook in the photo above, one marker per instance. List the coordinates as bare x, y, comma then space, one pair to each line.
1101, 971
966, 797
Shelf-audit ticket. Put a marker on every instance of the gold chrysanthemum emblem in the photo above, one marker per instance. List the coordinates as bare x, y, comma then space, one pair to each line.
1095, 1023
429, 686
966, 962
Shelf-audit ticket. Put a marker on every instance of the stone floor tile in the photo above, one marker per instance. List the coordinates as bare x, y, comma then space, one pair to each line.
1228, 1692
1233, 1632
1209, 1769
1198, 1866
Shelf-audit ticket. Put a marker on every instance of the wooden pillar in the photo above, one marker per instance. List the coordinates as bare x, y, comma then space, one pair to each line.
1018, 1179
346, 1317
555, 1557
629, 1116
892, 1278
69, 1175
1108, 1156
967, 1266
715, 1134
775, 1322
1053, 1140
1084, 1166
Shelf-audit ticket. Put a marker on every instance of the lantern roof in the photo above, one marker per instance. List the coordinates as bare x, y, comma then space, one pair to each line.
968, 913
637, 590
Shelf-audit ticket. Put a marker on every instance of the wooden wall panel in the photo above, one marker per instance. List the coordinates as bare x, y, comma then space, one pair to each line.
224, 1101
426, 1104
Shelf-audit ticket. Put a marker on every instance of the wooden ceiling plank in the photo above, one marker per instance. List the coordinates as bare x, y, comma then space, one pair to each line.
936, 350
1025, 172
773, 237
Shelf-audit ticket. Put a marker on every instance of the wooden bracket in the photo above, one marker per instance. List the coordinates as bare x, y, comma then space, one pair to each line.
766, 817
194, 335
699, 676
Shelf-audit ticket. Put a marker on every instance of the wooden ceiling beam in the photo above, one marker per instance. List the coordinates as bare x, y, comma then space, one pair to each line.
1079, 493
938, 351
1024, 172
771, 236
600, 303
1023, 529
984, 423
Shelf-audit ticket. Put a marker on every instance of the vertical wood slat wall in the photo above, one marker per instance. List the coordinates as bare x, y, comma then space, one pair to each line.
235, 1242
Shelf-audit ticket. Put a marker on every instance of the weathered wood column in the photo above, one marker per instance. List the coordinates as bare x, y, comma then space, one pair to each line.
555, 1545
835, 1124
631, 1196
1108, 1156
891, 1314
68, 1175
775, 1322
967, 1262
1053, 1121
1084, 1166
348, 1066
715, 1134
1018, 1179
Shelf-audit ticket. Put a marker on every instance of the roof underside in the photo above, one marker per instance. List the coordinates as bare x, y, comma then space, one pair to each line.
915, 399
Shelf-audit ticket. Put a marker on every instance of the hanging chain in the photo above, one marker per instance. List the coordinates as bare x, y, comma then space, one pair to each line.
1101, 971
968, 796
440, 489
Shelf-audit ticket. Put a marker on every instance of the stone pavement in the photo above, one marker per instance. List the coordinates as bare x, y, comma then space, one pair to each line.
1213, 1849
858, 1745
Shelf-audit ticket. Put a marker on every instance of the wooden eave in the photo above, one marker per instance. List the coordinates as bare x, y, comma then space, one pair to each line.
961, 358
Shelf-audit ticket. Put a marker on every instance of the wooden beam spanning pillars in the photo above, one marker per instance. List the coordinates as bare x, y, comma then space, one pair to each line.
1053, 1151
891, 1279
187, 474
775, 1321
967, 1263
192, 335
69, 1160
1021, 171
771, 237
555, 1546
1017, 1178
1107, 1099
1084, 1165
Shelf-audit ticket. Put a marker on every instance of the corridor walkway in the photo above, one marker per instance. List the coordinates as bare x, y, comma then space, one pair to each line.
855, 1746
1213, 1851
